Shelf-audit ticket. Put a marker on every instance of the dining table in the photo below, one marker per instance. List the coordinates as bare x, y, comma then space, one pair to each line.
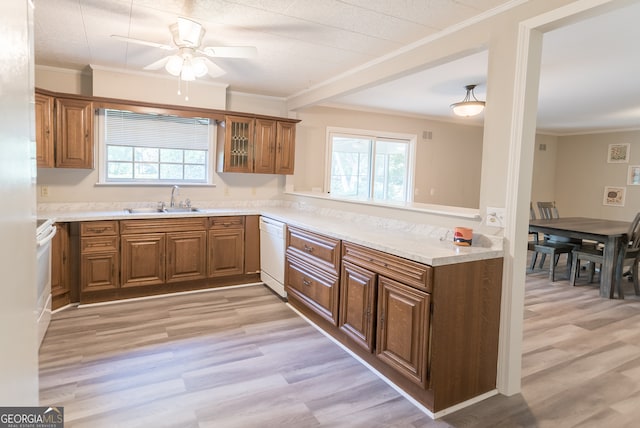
613, 234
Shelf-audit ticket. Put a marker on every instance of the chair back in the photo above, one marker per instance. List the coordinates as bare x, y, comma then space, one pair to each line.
634, 234
548, 210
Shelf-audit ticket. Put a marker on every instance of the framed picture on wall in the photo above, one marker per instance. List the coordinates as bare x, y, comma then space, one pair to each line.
614, 196
633, 176
618, 153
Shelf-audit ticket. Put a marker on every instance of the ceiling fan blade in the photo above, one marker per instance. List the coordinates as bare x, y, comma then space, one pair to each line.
143, 42
230, 51
158, 64
213, 70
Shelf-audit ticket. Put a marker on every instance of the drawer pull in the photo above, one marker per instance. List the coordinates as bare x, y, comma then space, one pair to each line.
306, 282
308, 249
97, 230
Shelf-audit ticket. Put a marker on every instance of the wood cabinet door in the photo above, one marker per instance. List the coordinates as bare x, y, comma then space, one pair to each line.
99, 271
44, 131
74, 133
403, 329
265, 146
186, 256
357, 304
226, 252
60, 277
238, 144
143, 259
285, 147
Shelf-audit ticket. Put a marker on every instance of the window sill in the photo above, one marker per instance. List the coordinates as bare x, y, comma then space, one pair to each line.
155, 184
444, 210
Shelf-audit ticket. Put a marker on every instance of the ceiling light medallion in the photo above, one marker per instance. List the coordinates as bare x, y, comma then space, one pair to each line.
470, 105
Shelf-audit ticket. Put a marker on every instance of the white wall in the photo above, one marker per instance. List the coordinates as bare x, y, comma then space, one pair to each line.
18, 332
447, 167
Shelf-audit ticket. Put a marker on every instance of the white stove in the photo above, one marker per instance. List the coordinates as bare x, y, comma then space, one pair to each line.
45, 231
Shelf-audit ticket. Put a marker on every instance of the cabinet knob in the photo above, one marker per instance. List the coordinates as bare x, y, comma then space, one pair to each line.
308, 249
306, 282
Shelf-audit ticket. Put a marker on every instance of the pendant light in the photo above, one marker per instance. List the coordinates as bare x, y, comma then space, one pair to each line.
470, 105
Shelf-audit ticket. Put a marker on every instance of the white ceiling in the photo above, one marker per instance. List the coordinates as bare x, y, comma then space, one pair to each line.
589, 69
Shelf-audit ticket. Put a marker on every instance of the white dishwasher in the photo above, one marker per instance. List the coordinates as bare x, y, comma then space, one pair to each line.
272, 248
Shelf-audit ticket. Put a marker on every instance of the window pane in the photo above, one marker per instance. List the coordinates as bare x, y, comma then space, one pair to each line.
195, 172
120, 170
195, 156
145, 154
171, 155
390, 182
350, 167
171, 171
119, 153
146, 171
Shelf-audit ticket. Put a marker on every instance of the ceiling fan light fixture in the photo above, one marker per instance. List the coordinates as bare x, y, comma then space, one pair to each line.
199, 67
174, 65
188, 73
470, 105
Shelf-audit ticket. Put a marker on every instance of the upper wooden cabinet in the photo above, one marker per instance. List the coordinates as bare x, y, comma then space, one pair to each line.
74, 133
257, 145
44, 131
64, 132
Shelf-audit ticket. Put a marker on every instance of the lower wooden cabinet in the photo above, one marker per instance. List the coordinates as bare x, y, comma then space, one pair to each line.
226, 246
357, 304
143, 259
186, 256
403, 329
99, 256
61, 279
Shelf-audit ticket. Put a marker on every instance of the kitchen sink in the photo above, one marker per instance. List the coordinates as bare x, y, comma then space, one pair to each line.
143, 210
181, 210
161, 210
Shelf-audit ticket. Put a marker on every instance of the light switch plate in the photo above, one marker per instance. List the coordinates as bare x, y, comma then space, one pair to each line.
495, 217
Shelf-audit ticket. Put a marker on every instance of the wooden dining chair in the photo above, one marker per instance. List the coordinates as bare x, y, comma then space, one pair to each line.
596, 255
552, 245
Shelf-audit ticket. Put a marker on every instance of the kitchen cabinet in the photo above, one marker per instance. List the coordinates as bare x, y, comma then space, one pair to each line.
64, 131
226, 246
74, 133
99, 256
376, 297
431, 330
312, 272
159, 251
44, 130
60, 267
257, 145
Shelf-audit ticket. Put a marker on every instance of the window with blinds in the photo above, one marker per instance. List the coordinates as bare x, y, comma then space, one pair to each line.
149, 148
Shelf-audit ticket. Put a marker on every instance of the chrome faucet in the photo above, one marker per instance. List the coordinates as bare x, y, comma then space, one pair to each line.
173, 190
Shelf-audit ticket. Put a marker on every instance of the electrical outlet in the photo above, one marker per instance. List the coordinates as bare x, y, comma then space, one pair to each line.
44, 191
495, 217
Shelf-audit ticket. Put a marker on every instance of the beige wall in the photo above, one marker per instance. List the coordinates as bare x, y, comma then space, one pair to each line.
582, 172
447, 167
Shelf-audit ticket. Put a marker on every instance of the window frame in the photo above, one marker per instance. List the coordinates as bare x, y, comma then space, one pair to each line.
101, 161
375, 136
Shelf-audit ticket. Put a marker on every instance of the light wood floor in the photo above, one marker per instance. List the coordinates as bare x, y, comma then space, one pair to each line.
241, 358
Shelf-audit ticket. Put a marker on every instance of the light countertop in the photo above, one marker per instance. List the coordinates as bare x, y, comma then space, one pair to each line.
422, 243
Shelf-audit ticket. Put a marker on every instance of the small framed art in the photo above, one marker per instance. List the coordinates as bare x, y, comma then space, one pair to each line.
614, 196
633, 176
618, 153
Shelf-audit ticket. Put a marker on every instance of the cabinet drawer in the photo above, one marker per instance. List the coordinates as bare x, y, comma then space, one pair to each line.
226, 222
99, 244
314, 287
98, 228
162, 225
317, 249
403, 270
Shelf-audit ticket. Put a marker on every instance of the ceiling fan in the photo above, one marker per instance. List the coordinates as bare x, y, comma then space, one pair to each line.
191, 59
